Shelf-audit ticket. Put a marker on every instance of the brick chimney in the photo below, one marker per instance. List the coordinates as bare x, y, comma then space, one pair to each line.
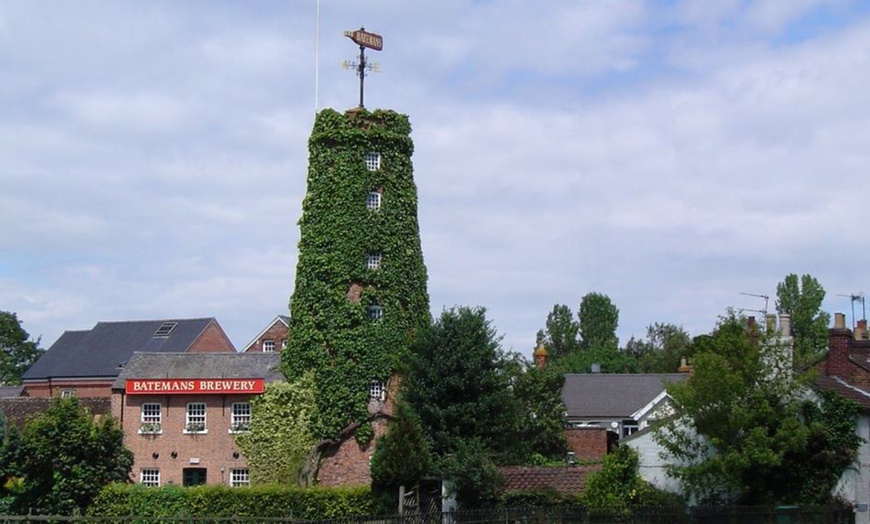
861, 330
839, 341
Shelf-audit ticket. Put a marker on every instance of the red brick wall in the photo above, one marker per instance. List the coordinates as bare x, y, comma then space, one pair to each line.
276, 332
212, 340
82, 389
587, 443
213, 450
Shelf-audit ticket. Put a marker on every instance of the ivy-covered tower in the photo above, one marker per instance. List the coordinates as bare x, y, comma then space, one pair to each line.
360, 292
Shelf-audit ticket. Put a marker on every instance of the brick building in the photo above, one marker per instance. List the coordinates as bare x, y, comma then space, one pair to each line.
272, 338
181, 412
86, 363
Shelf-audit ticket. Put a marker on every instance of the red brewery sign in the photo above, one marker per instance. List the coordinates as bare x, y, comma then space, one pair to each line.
194, 386
366, 39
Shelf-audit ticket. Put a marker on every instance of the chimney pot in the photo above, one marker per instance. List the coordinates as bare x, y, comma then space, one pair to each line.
785, 325
839, 321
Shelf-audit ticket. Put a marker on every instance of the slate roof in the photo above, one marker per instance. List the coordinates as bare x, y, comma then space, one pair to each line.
11, 391
606, 395
101, 351
201, 365
569, 480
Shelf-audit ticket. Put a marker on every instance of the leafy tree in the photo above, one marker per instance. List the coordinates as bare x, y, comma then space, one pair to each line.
472, 473
599, 318
744, 427
17, 351
618, 484
459, 384
802, 301
280, 436
662, 350
543, 427
402, 456
562, 334
65, 458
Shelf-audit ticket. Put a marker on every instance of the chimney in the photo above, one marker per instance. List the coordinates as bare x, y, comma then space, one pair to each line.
685, 367
595, 368
861, 330
785, 325
541, 354
839, 341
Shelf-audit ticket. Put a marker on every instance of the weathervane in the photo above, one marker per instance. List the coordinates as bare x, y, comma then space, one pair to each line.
364, 40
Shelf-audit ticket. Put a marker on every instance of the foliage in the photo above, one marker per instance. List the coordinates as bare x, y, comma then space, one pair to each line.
402, 456
459, 384
17, 351
472, 474
543, 426
744, 425
598, 320
331, 333
618, 484
279, 438
64, 458
802, 301
268, 501
662, 350
562, 334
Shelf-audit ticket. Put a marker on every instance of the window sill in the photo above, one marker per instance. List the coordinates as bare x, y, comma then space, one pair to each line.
146, 433
201, 432
237, 431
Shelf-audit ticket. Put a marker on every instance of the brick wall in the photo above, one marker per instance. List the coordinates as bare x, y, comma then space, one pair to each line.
212, 340
588, 443
173, 450
81, 388
277, 333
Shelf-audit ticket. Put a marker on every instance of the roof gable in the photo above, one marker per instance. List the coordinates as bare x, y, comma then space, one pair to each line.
283, 320
604, 395
105, 349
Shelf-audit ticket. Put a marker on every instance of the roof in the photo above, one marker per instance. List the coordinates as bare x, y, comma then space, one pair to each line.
605, 395
845, 389
11, 391
564, 479
101, 351
201, 365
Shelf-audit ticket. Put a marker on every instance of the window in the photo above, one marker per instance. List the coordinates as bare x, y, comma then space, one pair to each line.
373, 261
373, 161
268, 346
239, 477
376, 390
150, 477
165, 329
241, 417
67, 393
373, 200
629, 427
195, 418
151, 418
193, 476
375, 312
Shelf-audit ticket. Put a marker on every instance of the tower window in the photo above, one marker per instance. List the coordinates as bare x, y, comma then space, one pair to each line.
373, 261
375, 312
376, 390
373, 161
373, 200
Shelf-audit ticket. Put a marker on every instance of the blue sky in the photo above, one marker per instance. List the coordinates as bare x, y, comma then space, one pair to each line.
670, 154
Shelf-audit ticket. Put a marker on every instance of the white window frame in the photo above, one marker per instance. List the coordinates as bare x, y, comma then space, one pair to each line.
373, 261
151, 416
195, 414
373, 161
377, 390
373, 200
268, 346
375, 313
149, 477
240, 417
240, 477
67, 393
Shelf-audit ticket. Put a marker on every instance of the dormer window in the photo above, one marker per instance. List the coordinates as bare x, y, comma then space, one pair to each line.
373, 261
373, 161
373, 201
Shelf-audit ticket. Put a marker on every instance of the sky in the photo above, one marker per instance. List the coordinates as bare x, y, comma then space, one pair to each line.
681, 157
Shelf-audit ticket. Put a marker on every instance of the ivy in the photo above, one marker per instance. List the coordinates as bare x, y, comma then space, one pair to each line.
331, 334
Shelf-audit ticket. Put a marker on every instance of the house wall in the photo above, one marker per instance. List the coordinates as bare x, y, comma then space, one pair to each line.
651, 466
587, 443
854, 484
277, 332
350, 464
216, 450
81, 388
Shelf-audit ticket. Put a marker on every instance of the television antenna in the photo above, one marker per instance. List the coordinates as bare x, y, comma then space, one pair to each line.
362, 67
762, 311
856, 297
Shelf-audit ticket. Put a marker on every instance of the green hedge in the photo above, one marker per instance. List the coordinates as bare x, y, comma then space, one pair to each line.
118, 500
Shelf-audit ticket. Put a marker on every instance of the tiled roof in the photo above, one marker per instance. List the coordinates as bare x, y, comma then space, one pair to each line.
101, 351
201, 365
845, 389
10, 391
590, 395
564, 479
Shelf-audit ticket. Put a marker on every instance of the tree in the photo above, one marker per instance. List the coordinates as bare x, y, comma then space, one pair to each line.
661, 352
599, 318
65, 458
802, 301
17, 351
540, 393
561, 336
280, 436
744, 427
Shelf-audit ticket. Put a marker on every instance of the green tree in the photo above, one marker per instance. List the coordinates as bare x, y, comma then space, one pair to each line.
618, 484
402, 456
65, 458
802, 300
17, 351
661, 352
544, 419
598, 320
744, 426
280, 437
561, 336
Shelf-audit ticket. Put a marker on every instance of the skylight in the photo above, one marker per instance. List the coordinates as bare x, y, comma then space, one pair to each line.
165, 329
